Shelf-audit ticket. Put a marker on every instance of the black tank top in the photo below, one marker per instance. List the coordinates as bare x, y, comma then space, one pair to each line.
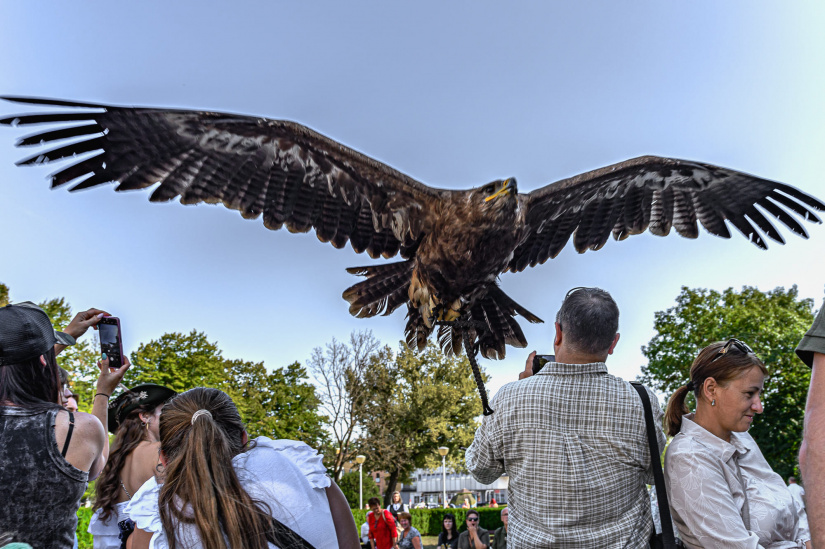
40, 490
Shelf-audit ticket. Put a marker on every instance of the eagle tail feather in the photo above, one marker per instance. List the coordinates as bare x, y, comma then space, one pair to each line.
417, 332
496, 311
384, 290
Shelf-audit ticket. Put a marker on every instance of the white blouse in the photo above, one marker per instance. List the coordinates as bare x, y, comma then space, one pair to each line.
707, 482
105, 534
287, 475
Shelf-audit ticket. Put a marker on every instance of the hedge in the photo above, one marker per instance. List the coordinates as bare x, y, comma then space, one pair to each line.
426, 521
429, 521
84, 538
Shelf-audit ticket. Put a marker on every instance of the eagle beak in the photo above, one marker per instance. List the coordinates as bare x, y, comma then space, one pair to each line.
505, 189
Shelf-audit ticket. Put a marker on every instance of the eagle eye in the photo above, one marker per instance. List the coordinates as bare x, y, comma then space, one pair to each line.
489, 189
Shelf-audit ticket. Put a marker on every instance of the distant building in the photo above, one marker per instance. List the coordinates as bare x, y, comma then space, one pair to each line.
427, 487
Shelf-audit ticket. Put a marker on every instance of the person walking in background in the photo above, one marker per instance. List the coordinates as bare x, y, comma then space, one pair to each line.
811, 350
500, 535
474, 537
134, 418
448, 537
383, 530
722, 491
397, 506
47, 454
572, 420
365, 536
797, 492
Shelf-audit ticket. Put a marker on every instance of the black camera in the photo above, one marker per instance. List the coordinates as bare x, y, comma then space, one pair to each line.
540, 360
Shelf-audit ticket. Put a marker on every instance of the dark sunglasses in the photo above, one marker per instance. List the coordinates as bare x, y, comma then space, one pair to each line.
732, 342
472, 519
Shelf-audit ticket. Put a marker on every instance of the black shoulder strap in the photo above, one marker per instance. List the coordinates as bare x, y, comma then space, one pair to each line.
68, 435
668, 538
285, 537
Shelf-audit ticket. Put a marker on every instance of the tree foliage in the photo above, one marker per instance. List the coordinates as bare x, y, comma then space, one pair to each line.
418, 402
771, 323
339, 370
277, 404
349, 485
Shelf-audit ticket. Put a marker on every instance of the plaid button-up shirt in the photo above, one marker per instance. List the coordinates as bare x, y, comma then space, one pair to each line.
573, 441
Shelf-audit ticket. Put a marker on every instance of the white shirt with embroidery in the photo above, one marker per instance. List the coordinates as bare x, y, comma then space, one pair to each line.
287, 475
705, 477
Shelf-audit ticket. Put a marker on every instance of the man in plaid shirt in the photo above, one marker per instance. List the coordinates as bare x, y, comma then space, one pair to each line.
572, 439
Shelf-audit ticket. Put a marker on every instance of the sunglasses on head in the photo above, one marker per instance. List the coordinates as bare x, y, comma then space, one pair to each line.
732, 342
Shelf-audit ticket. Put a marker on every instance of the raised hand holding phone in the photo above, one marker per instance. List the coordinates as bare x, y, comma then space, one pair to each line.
111, 342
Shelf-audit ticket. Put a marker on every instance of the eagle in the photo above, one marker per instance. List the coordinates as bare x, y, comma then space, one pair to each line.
453, 244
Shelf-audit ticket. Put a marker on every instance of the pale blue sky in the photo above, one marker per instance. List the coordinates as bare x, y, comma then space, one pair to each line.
455, 94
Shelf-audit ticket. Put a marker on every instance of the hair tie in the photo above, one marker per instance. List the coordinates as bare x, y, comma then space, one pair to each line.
200, 413
690, 386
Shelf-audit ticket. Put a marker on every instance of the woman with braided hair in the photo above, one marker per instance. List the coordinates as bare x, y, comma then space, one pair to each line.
133, 417
221, 490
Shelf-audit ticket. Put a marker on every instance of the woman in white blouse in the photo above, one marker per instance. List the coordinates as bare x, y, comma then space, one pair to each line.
722, 491
221, 491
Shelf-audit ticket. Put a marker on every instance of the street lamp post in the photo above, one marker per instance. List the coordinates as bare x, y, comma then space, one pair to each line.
360, 461
443, 451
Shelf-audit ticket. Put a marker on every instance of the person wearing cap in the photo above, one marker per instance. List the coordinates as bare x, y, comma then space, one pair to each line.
134, 417
811, 350
47, 454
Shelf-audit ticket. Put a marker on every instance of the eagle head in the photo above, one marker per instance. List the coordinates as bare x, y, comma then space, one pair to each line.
499, 189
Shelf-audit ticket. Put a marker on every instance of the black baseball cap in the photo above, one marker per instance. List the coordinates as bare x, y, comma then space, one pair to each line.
148, 394
26, 333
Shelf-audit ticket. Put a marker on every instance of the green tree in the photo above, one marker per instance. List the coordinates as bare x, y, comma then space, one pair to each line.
278, 404
339, 371
281, 403
418, 402
4, 295
349, 485
771, 323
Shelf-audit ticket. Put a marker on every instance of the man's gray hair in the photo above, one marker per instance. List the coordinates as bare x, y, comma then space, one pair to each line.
589, 320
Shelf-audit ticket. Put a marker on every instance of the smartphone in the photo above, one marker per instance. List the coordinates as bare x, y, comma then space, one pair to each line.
110, 341
540, 360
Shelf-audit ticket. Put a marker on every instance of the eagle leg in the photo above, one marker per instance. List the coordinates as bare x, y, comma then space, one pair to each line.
471, 350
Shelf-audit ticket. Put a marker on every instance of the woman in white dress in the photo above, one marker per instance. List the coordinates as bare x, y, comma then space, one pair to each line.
133, 418
722, 491
222, 491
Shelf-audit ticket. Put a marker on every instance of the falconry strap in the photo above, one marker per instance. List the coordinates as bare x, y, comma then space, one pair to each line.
471, 351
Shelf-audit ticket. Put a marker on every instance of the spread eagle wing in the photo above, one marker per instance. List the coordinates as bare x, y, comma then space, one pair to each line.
655, 193
286, 172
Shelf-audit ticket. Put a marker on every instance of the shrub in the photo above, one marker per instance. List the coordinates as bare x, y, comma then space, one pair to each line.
84, 538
